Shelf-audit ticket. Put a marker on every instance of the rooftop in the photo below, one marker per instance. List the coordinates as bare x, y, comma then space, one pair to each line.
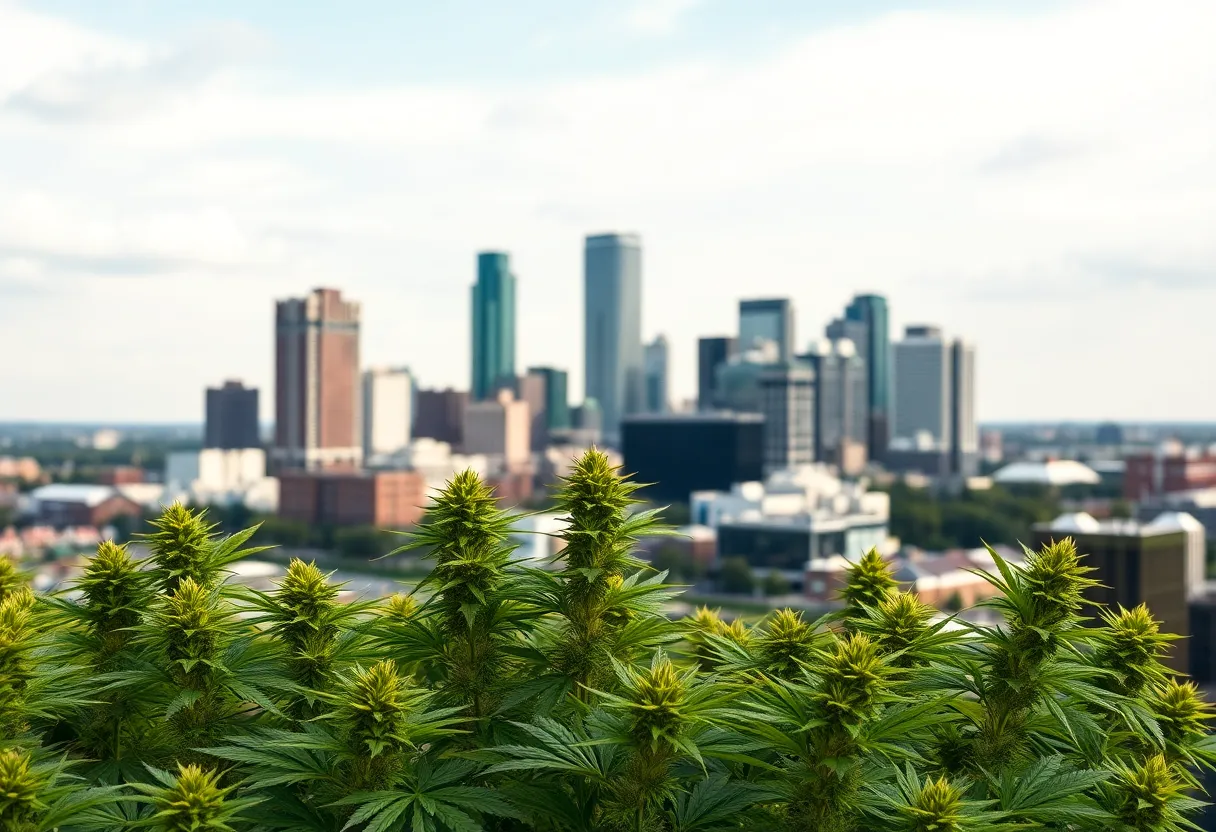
1052, 472
1082, 523
90, 495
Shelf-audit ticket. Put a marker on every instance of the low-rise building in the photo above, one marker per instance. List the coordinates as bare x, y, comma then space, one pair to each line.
1169, 469
384, 499
61, 505
794, 517
219, 476
1055, 473
24, 468
1159, 563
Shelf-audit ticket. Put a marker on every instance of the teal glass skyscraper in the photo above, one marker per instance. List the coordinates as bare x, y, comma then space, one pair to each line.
493, 325
613, 355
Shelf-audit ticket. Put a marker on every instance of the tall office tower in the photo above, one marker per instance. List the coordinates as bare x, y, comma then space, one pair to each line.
841, 396
439, 415
232, 417
965, 447
614, 368
712, 353
866, 323
317, 395
934, 404
771, 319
787, 393
493, 326
388, 411
923, 386
658, 397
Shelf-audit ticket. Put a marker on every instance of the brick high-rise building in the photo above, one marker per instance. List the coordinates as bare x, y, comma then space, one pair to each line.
317, 382
232, 417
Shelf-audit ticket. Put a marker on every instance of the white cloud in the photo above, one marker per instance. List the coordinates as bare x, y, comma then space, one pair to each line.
981, 169
658, 16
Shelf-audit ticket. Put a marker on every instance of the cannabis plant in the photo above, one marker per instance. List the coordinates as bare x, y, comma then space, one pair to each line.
560, 696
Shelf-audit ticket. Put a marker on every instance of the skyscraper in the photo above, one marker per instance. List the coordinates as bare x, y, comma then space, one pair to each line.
771, 319
556, 405
614, 364
933, 409
966, 446
317, 391
787, 395
493, 325
656, 363
712, 353
439, 415
866, 323
841, 394
923, 389
232, 417
388, 404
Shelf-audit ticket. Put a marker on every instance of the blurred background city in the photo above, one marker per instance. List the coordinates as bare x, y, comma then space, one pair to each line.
915, 279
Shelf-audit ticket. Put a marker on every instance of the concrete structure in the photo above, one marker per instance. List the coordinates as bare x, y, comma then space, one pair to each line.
1159, 563
232, 417
217, 476
655, 359
612, 297
439, 415
384, 499
501, 427
793, 517
866, 323
964, 433
679, 453
388, 405
768, 319
493, 328
1200, 504
737, 386
787, 400
933, 405
317, 390
841, 396
1168, 469
1056, 473
436, 461
62, 505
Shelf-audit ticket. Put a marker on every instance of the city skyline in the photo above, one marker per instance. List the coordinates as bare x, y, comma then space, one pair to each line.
1055, 212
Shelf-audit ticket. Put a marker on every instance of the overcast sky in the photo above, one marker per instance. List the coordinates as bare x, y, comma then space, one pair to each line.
1039, 177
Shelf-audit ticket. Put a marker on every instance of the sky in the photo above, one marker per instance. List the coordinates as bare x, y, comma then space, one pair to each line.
1038, 177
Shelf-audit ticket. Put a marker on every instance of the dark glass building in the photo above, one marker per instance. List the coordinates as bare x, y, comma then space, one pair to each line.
866, 323
712, 353
677, 454
232, 417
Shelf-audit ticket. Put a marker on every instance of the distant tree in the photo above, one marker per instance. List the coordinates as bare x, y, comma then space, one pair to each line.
1121, 509
362, 541
673, 560
954, 603
284, 532
775, 585
735, 576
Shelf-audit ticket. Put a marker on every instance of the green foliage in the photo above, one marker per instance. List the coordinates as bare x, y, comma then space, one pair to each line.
868, 582
974, 518
559, 697
735, 576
